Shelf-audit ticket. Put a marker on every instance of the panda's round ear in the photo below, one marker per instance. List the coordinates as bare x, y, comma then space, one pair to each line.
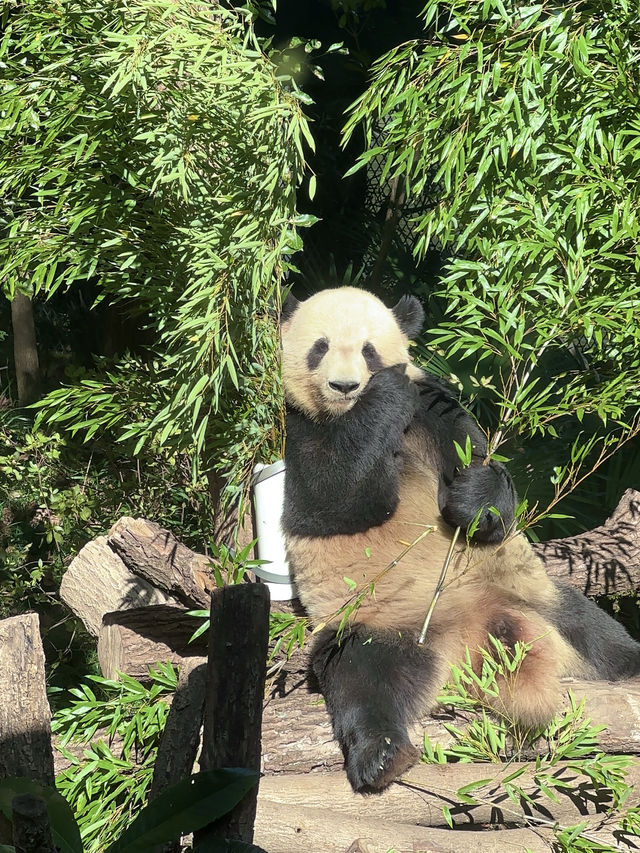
288, 307
410, 316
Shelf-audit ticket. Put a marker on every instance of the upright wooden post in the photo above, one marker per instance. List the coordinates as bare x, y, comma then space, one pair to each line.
236, 676
25, 716
31, 828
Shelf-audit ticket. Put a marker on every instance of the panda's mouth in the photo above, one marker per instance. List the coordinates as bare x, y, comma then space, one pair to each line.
339, 404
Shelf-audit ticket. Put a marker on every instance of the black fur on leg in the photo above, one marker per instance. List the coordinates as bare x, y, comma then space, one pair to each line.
601, 641
373, 682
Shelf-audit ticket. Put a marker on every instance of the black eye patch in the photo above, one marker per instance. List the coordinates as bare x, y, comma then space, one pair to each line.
371, 357
316, 353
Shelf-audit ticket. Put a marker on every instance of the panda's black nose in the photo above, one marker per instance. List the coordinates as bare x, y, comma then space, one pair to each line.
344, 387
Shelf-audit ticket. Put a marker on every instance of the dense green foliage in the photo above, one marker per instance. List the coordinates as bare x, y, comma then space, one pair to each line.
150, 151
121, 726
55, 495
525, 118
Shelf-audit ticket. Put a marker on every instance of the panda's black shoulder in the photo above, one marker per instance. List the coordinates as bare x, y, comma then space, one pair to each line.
443, 419
438, 397
428, 382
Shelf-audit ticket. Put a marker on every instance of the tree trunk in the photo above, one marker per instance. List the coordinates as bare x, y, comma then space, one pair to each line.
25, 349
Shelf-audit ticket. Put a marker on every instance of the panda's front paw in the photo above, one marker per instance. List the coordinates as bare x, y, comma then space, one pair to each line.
374, 761
481, 500
395, 391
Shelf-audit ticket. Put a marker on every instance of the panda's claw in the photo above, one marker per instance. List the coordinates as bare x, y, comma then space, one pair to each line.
373, 762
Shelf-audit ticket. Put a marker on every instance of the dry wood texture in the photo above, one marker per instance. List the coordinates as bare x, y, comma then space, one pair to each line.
236, 673
281, 829
181, 736
419, 797
602, 561
98, 582
156, 555
297, 736
25, 718
133, 640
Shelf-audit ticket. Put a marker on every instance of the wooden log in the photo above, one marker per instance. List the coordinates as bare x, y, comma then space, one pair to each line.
131, 641
31, 827
283, 829
156, 555
280, 828
25, 717
236, 672
181, 737
98, 582
602, 561
418, 798
297, 735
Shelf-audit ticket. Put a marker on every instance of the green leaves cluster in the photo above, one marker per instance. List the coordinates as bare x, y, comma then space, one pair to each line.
521, 120
149, 151
121, 725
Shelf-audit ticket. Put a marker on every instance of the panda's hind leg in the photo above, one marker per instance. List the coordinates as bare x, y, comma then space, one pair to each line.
530, 696
605, 648
374, 682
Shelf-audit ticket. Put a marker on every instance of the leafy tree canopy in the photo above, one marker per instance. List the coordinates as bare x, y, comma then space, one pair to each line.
149, 149
525, 118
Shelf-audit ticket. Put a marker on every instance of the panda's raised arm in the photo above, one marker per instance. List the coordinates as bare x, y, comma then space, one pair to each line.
343, 473
480, 496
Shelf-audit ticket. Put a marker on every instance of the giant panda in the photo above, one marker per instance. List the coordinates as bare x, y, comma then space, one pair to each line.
371, 466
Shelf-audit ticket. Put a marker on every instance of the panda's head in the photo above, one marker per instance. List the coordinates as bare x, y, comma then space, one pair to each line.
333, 342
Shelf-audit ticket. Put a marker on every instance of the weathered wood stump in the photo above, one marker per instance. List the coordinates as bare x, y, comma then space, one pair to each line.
99, 582
25, 717
236, 673
31, 827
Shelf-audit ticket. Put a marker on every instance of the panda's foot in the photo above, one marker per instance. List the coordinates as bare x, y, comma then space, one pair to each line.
374, 761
